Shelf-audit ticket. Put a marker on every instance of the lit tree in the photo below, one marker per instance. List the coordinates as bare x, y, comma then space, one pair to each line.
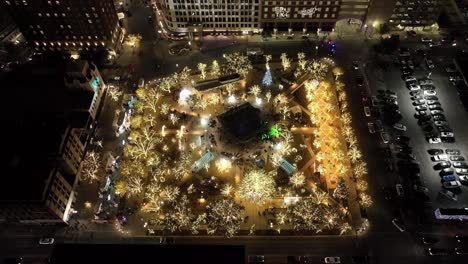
120, 187
341, 192
297, 179
134, 185
301, 60
237, 63
354, 154
285, 62
345, 228
215, 70
223, 165
227, 189
365, 200
268, 96
225, 215
114, 92
184, 75
361, 185
337, 71
255, 90
257, 186
267, 79
90, 166
202, 69
307, 215
169, 193
164, 109
174, 118
179, 216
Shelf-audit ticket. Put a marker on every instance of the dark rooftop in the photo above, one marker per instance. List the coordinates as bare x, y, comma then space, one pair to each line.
131, 253
242, 121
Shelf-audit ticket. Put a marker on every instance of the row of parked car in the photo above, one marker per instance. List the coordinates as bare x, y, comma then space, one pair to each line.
429, 111
451, 178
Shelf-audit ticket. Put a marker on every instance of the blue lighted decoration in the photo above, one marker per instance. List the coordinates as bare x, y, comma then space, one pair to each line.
95, 83
202, 162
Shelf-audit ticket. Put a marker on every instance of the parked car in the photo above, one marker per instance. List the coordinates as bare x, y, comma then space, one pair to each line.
442, 165
449, 195
446, 171
399, 190
371, 127
367, 111
449, 178
46, 241
435, 107
430, 240
426, 39
457, 158
256, 259
434, 140
437, 251
413, 87
378, 125
460, 164
451, 184
434, 44
435, 151
461, 171
420, 189
453, 151
360, 81
429, 63
440, 157
463, 179
461, 251
385, 137
429, 92
332, 260
400, 127
397, 223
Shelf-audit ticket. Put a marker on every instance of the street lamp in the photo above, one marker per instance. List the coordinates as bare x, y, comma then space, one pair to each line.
316, 50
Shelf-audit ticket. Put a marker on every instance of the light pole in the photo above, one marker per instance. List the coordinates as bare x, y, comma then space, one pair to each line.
316, 50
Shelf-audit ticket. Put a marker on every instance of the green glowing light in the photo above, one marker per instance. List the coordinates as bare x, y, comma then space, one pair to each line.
274, 131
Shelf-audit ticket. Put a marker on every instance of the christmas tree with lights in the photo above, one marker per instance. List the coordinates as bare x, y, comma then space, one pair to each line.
267, 80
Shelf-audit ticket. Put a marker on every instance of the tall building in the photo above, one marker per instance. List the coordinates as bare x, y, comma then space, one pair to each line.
52, 112
257, 15
67, 25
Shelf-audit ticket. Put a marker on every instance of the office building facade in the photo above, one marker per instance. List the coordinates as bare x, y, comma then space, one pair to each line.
67, 25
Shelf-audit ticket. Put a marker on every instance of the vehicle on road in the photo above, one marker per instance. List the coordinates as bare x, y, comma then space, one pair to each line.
421, 108
447, 134
449, 195
411, 33
428, 87
460, 164
437, 251
461, 238
436, 112
397, 223
439, 117
420, 114
461, 171
371, 127
332, 260
414, 87
410, 79
451, 184
434, 44
385, 137
429, 92
432, 102
355, 65
402, 138
430, 97
399, 126
426, 82
367, 111
46, 241
13, 260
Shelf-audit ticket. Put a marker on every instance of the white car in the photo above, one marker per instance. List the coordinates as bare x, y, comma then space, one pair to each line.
367, 111
434, 140
398, 225
332, 260
429, 92
46, 241
446, 134
414, 87
385, 137
461, 171
410, 79
440, 157
400, 127
452, 184
463, 179
449, 195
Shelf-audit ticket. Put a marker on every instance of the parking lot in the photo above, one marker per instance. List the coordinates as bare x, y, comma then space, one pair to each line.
412, 161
